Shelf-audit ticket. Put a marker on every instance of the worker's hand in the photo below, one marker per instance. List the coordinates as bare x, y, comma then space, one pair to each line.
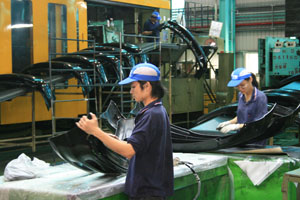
88, 125
231, 127
222, 124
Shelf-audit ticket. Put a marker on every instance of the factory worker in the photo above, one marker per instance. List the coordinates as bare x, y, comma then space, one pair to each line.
252, 103
149, 148
151, 27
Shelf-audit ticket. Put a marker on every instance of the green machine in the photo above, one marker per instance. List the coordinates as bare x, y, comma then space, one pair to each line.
106, 31
278, 58
226, 65
185, 92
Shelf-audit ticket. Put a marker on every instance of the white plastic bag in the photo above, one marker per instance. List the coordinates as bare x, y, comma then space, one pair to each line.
23, 168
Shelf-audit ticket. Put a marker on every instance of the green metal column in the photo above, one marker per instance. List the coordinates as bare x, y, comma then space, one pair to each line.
227, 16
232, 42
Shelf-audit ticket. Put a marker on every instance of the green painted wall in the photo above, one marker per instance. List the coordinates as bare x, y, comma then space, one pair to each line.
269, 189
214, 186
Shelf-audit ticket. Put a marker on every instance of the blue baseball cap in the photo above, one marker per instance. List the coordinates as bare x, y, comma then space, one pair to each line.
155, 14
142, 72
237, 76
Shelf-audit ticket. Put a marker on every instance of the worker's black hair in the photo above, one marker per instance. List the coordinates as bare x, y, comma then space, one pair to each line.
158, 90
254, 81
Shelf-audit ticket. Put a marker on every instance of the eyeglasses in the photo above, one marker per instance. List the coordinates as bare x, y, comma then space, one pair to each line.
242, 85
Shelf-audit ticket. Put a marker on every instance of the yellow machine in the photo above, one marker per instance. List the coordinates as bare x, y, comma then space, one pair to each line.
25, 29
165, 4
24, 32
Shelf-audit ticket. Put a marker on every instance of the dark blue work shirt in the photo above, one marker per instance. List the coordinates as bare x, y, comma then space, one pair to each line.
149, 26
150, 171
252, 110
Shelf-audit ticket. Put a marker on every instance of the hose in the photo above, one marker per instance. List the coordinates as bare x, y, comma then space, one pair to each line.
190, 166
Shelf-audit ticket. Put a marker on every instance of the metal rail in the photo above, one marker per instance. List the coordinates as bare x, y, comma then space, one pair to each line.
53, 86
4, 143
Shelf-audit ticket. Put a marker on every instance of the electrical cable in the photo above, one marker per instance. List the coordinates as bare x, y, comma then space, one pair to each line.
190, 166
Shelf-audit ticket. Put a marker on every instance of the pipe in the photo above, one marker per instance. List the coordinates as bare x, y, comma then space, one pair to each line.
260, 23
277, 18
247, 24
199, 27
190, 166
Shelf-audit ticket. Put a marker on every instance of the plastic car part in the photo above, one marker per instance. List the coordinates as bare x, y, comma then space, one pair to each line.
87, 152
128, 60
85, 62
112, 115
19, 84
8, 93
288, 98
131, 48
249, 132
199, 53
189, 39
111, 64
207, 140
277, 118
124, 128
291, 79
283, 117
65, 69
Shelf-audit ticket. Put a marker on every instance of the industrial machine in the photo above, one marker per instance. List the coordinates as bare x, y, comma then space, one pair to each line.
278, 59
106, 31
25, 33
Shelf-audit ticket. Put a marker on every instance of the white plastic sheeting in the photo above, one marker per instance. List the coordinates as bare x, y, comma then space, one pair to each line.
24, 168
67, 182
258, 171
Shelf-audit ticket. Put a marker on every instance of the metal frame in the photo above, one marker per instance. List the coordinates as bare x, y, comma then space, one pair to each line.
291, 176
6, 143
52, 86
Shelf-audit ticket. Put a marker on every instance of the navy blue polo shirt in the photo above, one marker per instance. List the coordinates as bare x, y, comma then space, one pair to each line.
150, 171
254, 109
149, 26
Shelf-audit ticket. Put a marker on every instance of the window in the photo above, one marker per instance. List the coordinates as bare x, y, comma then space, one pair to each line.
57, 28
21, 34
77, 28
251, 62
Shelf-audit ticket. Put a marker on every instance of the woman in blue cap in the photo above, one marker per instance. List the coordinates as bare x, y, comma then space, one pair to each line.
151, 27
149, 148
252, 103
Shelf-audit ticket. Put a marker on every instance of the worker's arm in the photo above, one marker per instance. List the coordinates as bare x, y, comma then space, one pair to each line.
147, 32
90, 126
233, 121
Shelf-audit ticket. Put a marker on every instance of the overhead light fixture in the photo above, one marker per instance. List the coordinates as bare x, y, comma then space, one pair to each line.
82, 4
19, 26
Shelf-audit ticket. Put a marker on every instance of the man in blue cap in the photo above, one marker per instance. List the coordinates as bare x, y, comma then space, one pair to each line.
252, 103
149, 148
151, 27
